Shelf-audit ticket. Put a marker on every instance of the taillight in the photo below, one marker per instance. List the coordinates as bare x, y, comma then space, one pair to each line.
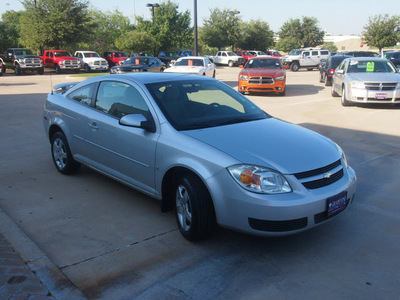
332, 71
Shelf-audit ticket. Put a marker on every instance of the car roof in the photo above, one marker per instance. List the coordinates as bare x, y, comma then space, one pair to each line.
367, 58
191, 57
265, 56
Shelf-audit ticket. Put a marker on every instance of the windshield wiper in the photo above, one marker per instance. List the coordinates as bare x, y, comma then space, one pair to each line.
238, 120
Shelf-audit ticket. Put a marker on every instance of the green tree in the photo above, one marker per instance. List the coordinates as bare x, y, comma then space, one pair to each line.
330, 46
9, 30
256, 35
54, 24
108, 27
135, 41
382, 31
221, 29
297, 33
169, 29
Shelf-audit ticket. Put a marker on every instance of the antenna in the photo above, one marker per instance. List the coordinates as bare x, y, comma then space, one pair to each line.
51, 83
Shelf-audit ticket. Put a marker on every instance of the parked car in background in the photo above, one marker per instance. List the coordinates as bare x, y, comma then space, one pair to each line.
272, 52
201, 148
91, 61
394, 57
60, 60
263, 74
141, 53
193, 65
328, 68
21, 60
245, 54
183, 53
256, 52
358, 53
168, 57
139, 64
366, 80
115, 58
2, 69
308, 58
227, 58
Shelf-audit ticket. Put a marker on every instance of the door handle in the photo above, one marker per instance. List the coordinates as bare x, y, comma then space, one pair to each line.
93, 126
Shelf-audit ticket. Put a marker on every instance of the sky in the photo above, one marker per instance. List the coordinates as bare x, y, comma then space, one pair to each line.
339, 17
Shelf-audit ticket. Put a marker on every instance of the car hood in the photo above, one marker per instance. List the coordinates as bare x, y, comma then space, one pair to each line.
263, 72
130, 67
272, 143
184, 69
373, 76
26, 56
93, 59
66, 57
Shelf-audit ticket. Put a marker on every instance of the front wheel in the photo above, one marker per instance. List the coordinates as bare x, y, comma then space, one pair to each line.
231, 64
333, 92
345, 102
62, 156
86, 68
294, 67
18, 70
58, 69
194, 209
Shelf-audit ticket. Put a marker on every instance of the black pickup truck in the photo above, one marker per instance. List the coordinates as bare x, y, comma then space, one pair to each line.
21, 60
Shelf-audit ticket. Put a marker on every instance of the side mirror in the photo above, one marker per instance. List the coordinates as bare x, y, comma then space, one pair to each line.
341, 71
138, 121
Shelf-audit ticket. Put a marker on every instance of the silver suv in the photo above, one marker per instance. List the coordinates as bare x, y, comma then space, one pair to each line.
305, 58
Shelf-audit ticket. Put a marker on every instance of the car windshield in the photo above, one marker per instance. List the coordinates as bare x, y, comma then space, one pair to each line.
170, 54
142, 61
62, 53
230, 53
276, 53
370, 66
264, 64
295, 52
195, 104
91, 54
120, 54
190, 62
23, 52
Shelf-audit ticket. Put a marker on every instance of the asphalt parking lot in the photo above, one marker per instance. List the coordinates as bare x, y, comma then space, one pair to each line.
108, 241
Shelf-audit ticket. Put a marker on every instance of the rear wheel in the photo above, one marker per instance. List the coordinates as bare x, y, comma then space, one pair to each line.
213, 76
194, 208
327, 81
61, 154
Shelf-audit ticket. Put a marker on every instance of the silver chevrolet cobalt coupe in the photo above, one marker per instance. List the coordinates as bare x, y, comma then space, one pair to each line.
201, 148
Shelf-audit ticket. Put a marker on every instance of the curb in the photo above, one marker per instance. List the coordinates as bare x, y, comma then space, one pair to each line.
47, 272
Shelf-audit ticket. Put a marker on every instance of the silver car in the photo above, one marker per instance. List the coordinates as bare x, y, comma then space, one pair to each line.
202, 148
366, 80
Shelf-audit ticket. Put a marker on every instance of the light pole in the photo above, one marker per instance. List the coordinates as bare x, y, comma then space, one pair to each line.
195, 28
153, 5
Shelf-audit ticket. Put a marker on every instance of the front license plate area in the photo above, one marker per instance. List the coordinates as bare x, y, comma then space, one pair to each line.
337, 203
380, 96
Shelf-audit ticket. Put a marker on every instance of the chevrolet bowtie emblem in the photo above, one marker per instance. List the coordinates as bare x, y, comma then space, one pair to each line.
327, 175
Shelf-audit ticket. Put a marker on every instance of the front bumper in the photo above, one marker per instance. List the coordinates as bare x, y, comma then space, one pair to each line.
360, 95
277, 86
276, 215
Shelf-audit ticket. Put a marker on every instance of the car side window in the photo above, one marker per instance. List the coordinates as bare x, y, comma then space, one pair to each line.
83, 95
119, 99
315, 53
306, 53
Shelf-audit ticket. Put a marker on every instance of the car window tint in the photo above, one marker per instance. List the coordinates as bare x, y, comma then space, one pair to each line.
119, 99
314, 53
83, 95
324, 52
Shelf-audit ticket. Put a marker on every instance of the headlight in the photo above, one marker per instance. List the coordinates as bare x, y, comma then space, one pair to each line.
259, 179
357, 84
280, 77
61, 62
343, 155
243, 77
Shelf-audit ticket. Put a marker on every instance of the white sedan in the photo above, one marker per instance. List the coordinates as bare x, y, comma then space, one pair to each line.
193, 65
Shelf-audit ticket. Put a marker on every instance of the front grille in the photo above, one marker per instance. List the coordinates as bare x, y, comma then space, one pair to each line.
70, 62
32, 60
278, 226
321, 177
261, 80
380, 86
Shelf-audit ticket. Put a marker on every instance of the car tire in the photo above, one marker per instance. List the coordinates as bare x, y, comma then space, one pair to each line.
282, 93
327, 82
321, 77
17, 70
41, 71
86, 68
58, 69
62, 156
213, 76
294, 67
333, 92
193, 208
344, 101
230, 63
310, 69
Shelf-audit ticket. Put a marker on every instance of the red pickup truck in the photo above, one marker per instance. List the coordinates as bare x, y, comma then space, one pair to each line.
60, 60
